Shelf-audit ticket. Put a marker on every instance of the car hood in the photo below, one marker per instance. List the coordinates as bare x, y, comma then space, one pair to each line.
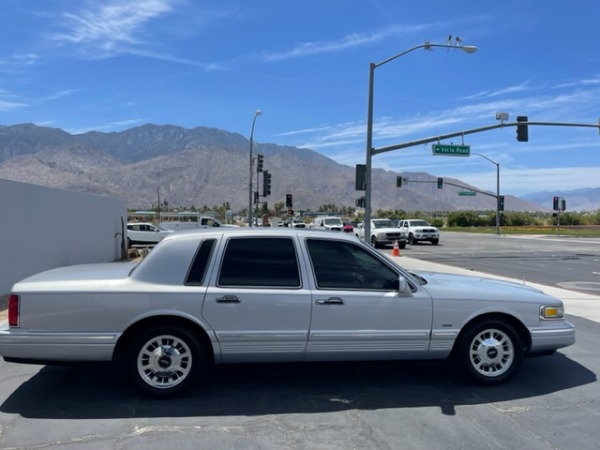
387, 230
463, 287
76, 276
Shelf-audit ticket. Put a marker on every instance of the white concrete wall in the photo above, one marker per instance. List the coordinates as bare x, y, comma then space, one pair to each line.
42, 228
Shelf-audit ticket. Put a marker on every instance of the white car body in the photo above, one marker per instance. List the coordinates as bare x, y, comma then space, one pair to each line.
328, 223
419, 230
382, 233
268, 295
144, 233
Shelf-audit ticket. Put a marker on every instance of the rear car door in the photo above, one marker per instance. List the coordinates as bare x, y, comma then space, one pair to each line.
257, 303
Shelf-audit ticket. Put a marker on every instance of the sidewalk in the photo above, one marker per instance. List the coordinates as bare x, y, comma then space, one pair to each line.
576, 303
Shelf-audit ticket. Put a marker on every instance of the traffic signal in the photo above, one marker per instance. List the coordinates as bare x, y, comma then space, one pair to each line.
288, 201
398, 181
501, 203
563, 204
555, 203
259, 163
361, 176
266, 183
522, 133
440, 183
360, 202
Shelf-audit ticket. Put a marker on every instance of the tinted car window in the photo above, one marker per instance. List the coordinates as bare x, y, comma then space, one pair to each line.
200, 263
268, 262
344, 265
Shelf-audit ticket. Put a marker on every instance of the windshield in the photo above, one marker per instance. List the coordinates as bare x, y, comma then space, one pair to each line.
419, 223
382, 223
333, 221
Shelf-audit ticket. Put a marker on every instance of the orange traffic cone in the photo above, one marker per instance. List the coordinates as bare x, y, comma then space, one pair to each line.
396, 249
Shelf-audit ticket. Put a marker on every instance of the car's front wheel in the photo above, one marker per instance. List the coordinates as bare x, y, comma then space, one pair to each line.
374, 242
411, 239
435, 241
164, 361
490, 352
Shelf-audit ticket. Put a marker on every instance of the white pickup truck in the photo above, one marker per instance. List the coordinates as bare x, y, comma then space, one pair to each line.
383, 232
419, 230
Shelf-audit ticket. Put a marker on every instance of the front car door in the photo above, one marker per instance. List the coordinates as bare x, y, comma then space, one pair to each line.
257, 303
358, 312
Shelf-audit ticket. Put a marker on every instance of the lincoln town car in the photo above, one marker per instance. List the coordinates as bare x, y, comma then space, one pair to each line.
220, 296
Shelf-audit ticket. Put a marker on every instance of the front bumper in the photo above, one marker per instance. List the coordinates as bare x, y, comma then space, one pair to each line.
549, 338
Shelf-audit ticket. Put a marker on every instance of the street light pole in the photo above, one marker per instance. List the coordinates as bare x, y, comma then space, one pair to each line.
497, 190
372, 67
250, 199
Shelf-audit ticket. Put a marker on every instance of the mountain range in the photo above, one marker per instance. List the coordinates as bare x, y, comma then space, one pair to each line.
207, 166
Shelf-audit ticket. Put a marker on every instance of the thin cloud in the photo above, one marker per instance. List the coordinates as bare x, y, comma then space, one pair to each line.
117, 28
507, 90
347, 42
60, 94
108, 25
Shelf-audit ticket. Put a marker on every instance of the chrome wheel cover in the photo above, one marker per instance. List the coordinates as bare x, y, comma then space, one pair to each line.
491, 353
164, 361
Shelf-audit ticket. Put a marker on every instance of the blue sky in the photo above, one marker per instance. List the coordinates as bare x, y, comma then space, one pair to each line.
111, 65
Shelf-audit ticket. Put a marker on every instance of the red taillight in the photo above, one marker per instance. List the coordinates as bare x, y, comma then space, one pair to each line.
13, 310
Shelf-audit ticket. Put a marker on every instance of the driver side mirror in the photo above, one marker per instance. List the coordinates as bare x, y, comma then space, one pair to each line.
402, 285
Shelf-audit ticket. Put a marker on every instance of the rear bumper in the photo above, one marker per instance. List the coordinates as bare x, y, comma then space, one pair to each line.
21, 346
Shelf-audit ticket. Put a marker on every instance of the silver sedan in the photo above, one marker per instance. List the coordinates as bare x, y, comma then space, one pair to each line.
273, 294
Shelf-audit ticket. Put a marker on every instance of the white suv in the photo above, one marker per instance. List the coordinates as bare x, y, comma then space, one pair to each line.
419, 230
328, 223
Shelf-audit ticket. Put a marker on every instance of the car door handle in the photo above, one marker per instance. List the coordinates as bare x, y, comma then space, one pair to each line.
331, 301
228, 299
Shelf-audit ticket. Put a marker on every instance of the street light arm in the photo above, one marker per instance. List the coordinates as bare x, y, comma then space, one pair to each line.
428, 46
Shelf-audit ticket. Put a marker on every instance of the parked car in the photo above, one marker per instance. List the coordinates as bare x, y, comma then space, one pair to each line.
348, 227
327, 223
298, 223
419, 230
219, 296
144, 233
382, 233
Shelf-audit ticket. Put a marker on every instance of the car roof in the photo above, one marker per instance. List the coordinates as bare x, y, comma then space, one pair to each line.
262, 231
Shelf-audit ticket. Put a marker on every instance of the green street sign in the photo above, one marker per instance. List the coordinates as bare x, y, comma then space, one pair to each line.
468, 193
451, 150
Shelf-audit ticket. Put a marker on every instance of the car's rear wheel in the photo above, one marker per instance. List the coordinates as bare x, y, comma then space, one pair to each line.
490, 352
164, 361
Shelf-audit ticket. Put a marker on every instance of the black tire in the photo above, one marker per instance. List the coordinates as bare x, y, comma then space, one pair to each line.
490, 352
435, 241
164, 361
411, 239
374, 242
402, 245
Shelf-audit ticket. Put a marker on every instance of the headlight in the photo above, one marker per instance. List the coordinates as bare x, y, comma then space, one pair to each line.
552, 312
